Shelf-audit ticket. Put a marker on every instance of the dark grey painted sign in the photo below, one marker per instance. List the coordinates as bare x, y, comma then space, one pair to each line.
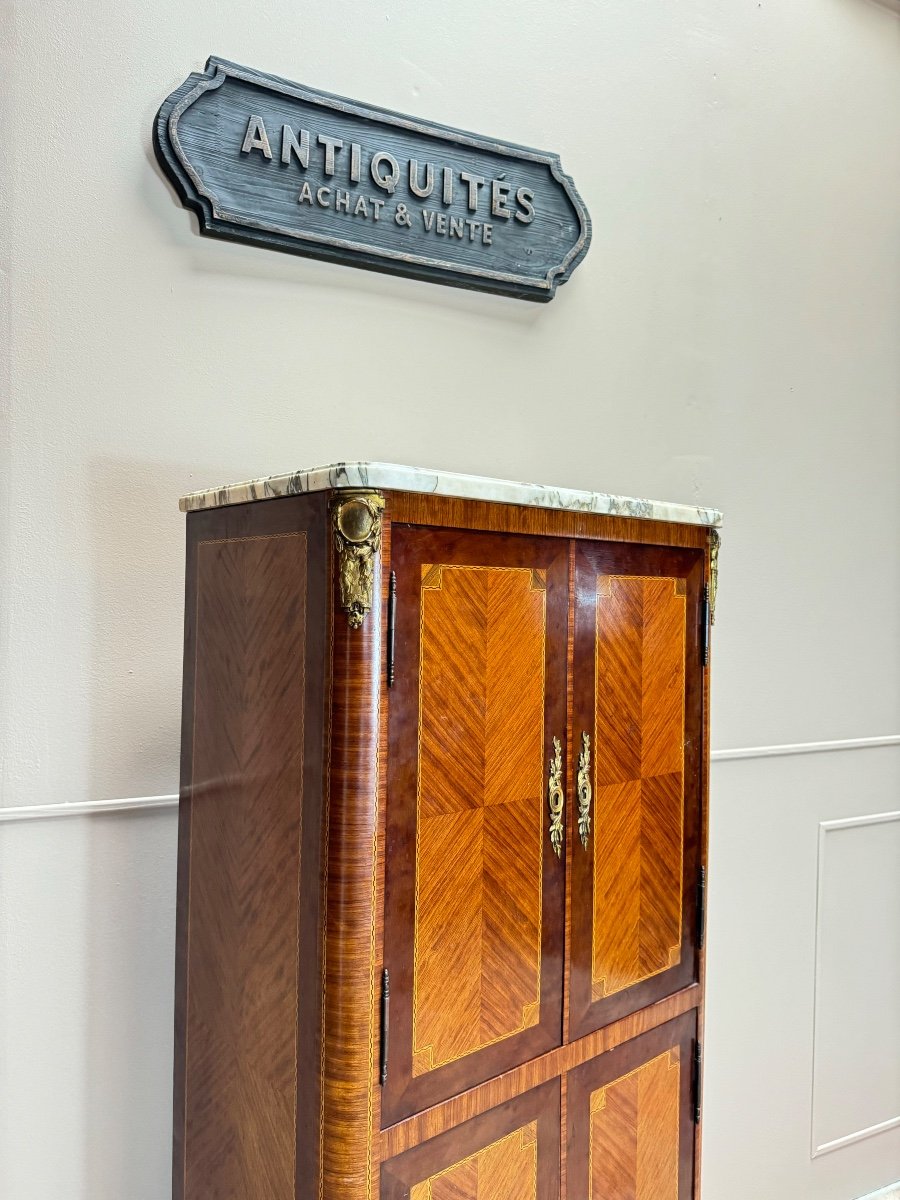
263, 160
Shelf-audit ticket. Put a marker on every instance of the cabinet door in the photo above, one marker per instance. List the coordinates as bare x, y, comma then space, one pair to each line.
630, 1132
474, 888
638, 750
509, 1153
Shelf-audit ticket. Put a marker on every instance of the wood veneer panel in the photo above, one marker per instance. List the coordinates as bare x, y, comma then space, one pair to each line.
639, 773
451, 513
630, 1134
248, 944
638, 695
539, 1070
474, 893
481, 771
704, 858
509, 1153
351, 976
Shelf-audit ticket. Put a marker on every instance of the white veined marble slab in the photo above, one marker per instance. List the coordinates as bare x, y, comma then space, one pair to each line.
390, 477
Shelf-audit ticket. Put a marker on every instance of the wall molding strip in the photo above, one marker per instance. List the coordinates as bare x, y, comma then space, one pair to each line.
859, 1136
867, 743
33, 812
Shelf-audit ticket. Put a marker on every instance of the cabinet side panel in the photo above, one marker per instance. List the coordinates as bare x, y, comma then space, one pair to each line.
247, 1042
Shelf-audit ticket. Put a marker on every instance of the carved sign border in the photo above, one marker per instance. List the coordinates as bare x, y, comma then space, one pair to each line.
221, 223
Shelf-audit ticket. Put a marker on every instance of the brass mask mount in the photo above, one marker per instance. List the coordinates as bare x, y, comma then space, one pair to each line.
356, 521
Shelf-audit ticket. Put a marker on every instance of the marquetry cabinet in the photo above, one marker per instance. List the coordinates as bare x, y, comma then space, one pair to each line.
442, 841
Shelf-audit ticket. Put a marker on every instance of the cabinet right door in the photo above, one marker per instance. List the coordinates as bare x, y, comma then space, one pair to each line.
637, 755
630, 1127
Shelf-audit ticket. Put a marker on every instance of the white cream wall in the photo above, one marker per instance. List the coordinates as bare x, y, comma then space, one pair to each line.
731, 338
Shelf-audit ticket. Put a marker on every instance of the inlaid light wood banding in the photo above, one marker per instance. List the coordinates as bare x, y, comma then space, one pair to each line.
479, 809
633, 1151
639, 779
240, 1042
538, 1071
505, 1170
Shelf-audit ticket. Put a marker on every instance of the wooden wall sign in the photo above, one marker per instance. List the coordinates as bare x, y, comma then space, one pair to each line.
266, 161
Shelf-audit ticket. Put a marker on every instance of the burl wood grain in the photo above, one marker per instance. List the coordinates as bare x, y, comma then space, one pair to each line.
630, 1132
474, 895
243, 967
639, 779
480, 807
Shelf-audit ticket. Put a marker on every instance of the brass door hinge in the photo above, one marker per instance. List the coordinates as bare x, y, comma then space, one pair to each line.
385, 1023
391, 623
697, 1083
705, 618
701, 908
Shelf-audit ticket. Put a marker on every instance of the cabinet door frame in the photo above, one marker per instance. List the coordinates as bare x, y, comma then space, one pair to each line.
584, 1080
540, 1105
592, 560
404, 1093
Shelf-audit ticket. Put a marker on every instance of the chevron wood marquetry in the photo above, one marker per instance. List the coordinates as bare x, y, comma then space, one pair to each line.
480, 809
639, 779
634, 1133
630, 1133
442, 824
505, 1170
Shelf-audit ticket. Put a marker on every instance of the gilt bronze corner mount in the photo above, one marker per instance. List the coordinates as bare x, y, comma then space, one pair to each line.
356, 521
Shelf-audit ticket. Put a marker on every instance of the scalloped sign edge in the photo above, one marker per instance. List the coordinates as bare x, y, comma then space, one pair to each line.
403, 256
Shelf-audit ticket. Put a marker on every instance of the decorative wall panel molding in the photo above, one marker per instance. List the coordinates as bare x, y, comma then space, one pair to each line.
855, 1091
866, 743
31, 812
82, 808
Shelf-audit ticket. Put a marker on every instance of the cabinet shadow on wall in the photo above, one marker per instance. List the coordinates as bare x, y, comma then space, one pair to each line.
133, 646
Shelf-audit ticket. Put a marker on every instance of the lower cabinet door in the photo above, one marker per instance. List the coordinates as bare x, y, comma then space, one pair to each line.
630, 1132
508, 1153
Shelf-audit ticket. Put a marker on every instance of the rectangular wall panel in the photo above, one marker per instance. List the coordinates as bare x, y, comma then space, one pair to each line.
760, 1049
856, 1091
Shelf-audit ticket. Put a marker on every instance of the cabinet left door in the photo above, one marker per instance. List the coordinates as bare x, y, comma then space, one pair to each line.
474, 886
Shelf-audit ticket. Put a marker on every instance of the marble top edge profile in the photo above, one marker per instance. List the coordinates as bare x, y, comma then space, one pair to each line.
391, 477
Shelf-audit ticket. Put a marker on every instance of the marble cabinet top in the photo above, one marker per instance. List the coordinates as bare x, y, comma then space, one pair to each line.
389, 477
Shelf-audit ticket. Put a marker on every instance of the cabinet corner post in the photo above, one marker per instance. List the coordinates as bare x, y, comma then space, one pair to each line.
350, 1018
